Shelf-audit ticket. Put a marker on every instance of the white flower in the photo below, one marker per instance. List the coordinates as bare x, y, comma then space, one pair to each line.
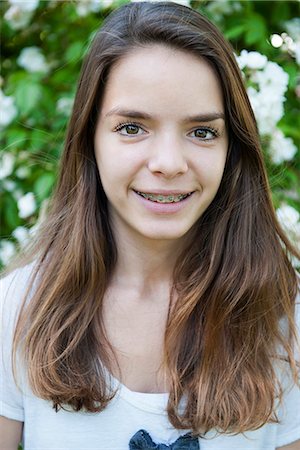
281, 148
272, 75
9, 185
288, 216
268, 84
26, 205
64, 105
25, 5
267, 95
32, 60
7, 165
20, 13
293, 28
8, 110
7, 251
267, 107
84, 7
180, 2
17, 194
289, 219
53, 3
17, 18
252, 60
297, 52
220, 8
21, 234
23, 172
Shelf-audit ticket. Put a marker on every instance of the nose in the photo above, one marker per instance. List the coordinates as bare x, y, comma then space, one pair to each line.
168, 157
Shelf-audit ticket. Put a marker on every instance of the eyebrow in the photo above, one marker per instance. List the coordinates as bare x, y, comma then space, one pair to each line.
206, 117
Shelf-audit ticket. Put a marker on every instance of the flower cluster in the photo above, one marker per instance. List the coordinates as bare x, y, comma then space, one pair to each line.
20, 13
7, 165
267, 84
219, 9
8, 110
181, 2
85, 7
291, 40
289, 219
32, 60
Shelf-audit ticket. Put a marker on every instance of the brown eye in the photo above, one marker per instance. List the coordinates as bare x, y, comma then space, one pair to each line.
131, 129
201, 133
204, 134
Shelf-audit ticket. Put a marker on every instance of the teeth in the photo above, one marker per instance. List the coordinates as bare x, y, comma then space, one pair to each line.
159, 198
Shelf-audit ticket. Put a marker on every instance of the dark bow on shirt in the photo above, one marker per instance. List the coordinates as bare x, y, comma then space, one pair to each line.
142, 441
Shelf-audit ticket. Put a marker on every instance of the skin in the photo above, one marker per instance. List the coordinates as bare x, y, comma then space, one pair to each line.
10, 433
294, 446
165, 155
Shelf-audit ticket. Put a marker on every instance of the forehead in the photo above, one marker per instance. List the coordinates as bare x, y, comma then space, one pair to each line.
163, 79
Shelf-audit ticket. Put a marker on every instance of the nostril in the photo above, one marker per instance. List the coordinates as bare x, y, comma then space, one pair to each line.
169, 167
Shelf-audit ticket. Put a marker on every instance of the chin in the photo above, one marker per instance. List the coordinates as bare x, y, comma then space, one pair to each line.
164, 235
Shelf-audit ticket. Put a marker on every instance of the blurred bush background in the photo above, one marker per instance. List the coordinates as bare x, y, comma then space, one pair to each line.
43, 44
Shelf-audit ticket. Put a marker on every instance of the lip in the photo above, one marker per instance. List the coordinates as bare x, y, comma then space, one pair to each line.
163, 208
163, 191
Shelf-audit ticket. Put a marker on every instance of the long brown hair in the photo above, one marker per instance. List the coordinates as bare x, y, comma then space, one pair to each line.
233, 284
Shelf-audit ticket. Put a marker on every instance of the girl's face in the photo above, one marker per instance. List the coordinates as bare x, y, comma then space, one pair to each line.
160, 142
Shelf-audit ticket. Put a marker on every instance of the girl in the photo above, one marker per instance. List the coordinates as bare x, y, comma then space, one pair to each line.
160, 304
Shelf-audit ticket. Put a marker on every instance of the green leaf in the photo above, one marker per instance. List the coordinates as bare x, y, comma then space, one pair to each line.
235, 32
11, 212
14, 80
28, 94
43, 185
16, 137
74, 52
256, 29
291, 131
39, 140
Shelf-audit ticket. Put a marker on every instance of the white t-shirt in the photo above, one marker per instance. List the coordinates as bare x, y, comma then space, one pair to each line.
126, 414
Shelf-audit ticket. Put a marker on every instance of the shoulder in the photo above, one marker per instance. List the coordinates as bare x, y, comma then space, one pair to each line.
297, 301
297, 319
297, 309
13, 289
283, 323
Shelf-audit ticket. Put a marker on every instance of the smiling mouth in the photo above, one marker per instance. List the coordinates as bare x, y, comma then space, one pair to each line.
159, 198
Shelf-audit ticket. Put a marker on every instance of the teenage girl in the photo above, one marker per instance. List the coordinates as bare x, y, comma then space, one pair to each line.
160, 305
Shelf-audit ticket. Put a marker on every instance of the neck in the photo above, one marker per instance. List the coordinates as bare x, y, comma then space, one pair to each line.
145, 264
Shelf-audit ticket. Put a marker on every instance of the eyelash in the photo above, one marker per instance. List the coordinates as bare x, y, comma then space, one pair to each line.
214, 132
122, 125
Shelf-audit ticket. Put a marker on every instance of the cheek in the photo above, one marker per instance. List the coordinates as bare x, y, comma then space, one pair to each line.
210, 169
119, 167
116, 173
107, 160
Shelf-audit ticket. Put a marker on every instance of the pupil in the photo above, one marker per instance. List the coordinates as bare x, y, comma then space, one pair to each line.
201, 133
132, 129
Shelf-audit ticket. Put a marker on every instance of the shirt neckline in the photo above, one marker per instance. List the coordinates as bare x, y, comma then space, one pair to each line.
146, 401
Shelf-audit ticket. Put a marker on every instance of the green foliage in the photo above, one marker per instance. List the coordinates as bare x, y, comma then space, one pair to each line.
43, 98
